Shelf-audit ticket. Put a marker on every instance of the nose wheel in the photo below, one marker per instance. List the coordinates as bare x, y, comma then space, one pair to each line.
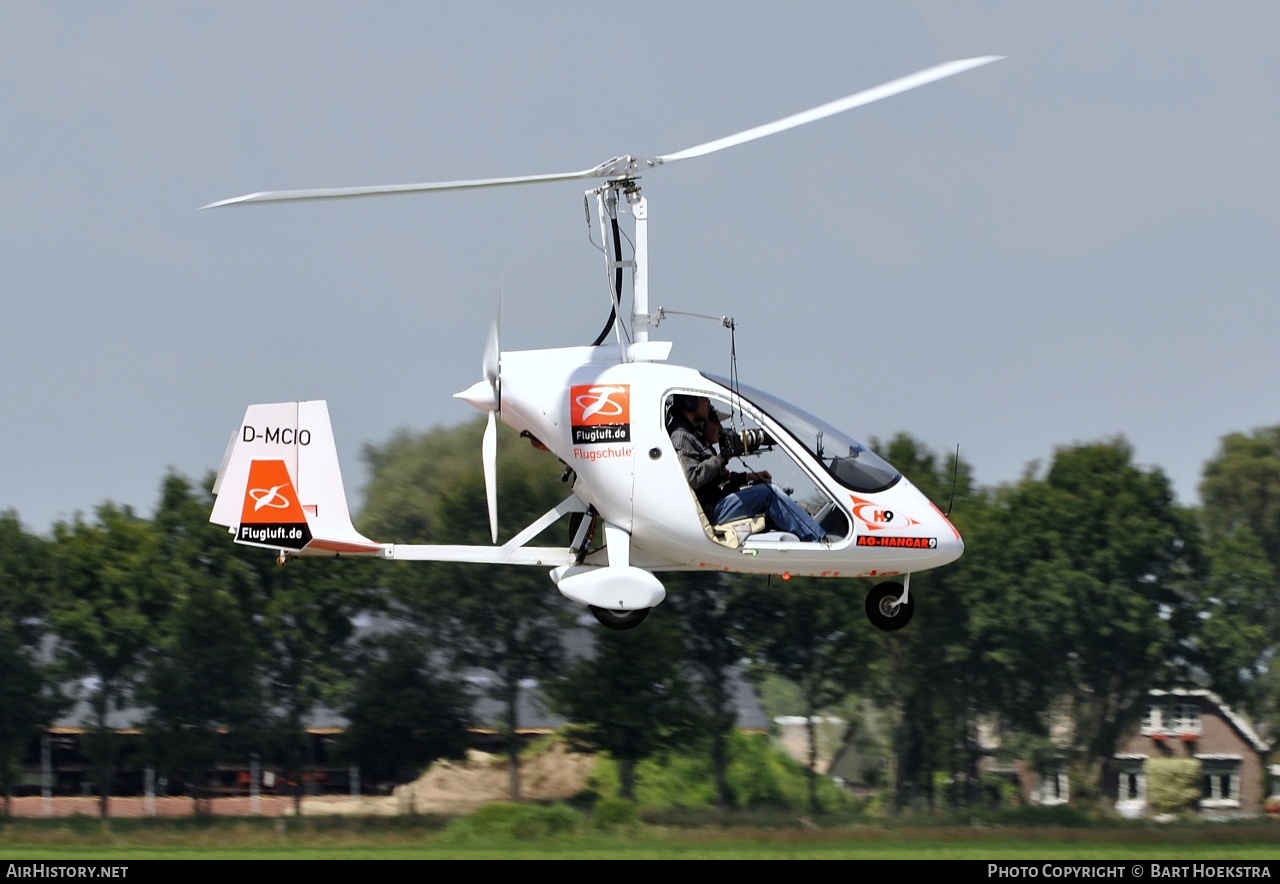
889, 606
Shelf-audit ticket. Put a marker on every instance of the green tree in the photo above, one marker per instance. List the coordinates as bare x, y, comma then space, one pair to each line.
109, 592
1241, 514
403, 714
504, 620
1241, 489
189, 541
813, 633
28, 702
1101, 568
1236, 641
28, 696
409, 473
24, 577
933, 677
304, 622
630, 699
713, 650
293, 625
202, 686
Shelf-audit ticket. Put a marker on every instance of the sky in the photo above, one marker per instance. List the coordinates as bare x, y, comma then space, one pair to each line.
1076, 243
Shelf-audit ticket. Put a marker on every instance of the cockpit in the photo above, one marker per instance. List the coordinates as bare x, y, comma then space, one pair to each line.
788, 449
852, 464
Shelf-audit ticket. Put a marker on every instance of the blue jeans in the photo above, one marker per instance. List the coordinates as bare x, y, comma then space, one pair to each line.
782, 511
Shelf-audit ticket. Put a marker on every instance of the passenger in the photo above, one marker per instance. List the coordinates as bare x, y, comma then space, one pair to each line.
727, 496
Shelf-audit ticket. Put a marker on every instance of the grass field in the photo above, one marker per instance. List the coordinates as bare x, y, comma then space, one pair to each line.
432, 839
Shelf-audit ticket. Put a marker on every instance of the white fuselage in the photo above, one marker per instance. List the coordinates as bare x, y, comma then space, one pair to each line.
606, 419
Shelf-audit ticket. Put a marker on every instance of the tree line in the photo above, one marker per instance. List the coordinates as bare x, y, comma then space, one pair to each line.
1083, 586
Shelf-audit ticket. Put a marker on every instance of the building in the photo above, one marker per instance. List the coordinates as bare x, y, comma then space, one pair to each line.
1194, 724
57, 763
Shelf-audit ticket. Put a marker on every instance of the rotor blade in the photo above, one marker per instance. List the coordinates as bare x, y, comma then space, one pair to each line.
885, 90
489, 454
628, 166
334, 193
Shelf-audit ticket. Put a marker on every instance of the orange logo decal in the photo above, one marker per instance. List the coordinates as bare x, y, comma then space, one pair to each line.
600, 404
876, 517
600, 413
269, 497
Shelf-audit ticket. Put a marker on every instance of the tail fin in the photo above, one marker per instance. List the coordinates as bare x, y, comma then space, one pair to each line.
280, 486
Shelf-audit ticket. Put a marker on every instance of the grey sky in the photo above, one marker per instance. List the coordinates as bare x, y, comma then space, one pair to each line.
1077, 242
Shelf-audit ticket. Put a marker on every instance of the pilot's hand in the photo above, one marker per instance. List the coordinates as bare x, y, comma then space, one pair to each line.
762, 476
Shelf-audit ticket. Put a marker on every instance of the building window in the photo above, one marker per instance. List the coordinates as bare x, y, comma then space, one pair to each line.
1186, 718
1133, 782
1221, 784
1132, 786
1054, 789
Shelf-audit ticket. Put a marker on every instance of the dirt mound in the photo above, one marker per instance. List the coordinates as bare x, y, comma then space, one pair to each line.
450, 787
461, 787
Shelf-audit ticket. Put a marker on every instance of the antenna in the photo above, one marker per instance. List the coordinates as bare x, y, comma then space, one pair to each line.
955, 472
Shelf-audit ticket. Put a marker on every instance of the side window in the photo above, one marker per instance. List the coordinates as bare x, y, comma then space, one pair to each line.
766, 454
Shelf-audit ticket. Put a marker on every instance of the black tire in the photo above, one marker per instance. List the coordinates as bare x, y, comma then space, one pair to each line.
619, 619
882, 610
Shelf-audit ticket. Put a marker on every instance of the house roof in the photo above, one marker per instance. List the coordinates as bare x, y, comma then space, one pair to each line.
1242, 726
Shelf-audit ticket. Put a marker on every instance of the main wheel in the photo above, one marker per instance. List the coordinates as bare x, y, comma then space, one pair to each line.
619, 619
883, 609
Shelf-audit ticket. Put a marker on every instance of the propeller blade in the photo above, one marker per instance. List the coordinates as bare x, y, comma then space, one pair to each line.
489, 453
490, 364
875, 93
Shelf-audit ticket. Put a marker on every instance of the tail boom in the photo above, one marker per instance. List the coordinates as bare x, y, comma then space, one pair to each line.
280, 488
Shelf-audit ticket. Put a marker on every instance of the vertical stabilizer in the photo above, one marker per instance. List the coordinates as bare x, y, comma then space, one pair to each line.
280, 486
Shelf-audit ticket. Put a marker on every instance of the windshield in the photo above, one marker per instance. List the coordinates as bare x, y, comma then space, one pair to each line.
851, 463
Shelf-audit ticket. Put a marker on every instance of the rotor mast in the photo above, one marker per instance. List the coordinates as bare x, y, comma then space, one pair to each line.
608, 196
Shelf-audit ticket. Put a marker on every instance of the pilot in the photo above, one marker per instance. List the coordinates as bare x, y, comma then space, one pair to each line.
726, 496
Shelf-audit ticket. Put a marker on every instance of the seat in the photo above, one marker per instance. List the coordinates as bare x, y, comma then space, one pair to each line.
734, 534
770, 539
731, 534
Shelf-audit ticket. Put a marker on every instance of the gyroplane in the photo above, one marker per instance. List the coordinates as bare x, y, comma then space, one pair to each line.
606, 410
